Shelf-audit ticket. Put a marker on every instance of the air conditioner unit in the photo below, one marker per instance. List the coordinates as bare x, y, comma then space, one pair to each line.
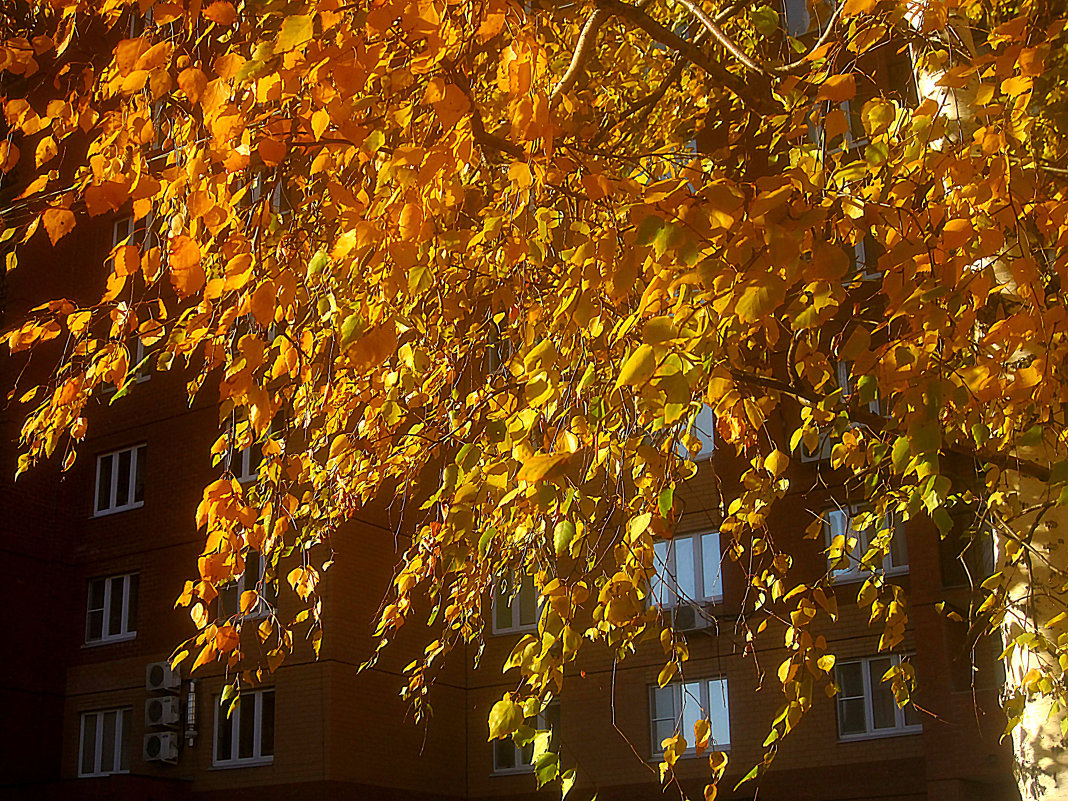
687, 618
161, 747
163, 711
160, 676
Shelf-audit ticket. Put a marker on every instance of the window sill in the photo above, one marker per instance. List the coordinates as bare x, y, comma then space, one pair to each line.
880, 735
243, 763
521, 630
130, 635
103, 775
524, 770
118, 509
855, 576
690, 753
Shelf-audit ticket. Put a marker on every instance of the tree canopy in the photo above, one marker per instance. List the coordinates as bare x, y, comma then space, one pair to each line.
499, 257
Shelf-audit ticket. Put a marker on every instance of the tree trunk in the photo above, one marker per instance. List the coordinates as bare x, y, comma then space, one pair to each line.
1032, 583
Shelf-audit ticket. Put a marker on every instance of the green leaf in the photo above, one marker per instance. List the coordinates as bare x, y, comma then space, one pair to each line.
648, 229
562, 536
765, 20
901, 454
296, 31
666, 501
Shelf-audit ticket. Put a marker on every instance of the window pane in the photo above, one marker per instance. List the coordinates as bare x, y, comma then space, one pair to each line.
94, 625
502, 610
96, 594
267, 725
528, 603
692, 710
713, 578
850, 678
131, 604
224, 735
122, 486
912, 717
115, 610
124, 740
882, 699
526, 754
88, 743
661, 731
899, 555
139, 476
719, 712
247, 725
107, 742
664, 703
685, 577
103, 497
851, 716
228, 600
503, 755
658, 589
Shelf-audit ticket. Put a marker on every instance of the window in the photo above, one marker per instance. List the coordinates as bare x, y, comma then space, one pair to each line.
839, 522
121, 229
111, 613
844, 375
703, 431
510, 756
120, 480
246, 462
687, 570
246, 737
515, 610
866, 705
675, 709
251, 579
104, 747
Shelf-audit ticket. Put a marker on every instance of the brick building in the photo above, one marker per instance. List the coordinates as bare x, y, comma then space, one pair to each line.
96, 557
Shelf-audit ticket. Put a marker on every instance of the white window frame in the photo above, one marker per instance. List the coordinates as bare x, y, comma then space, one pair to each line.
870, 732
838, 520
521, 764
131, 502
234, 722
844, 375
515, 606
704, 428
706, 698
123, 584
95, 718
664, 590
241, 584
244, 472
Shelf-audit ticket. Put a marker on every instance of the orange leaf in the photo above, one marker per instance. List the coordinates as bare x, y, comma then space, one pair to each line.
127, 52
411, 219
838, 89
127, 260
221, 13
187, 274
320, 121
262, 304
193, 82
272, 151
543, 465
9, 156
58, 223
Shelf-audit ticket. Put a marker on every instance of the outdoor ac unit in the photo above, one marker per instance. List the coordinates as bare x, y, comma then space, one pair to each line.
161, 747
163, 711
687, 618
160, 676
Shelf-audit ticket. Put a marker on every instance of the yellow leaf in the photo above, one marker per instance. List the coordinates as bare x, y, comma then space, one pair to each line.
542, 466
320, 121
46, 150
57, 223
837, 89
296, 31
411, 220
639, 368
776, 462
760, 296
504, 718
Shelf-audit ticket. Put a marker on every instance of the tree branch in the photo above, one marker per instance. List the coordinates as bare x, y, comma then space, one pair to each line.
743, 90
722, 38
582, 49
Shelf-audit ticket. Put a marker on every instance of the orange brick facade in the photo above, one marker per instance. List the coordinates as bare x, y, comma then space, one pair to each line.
345, 734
